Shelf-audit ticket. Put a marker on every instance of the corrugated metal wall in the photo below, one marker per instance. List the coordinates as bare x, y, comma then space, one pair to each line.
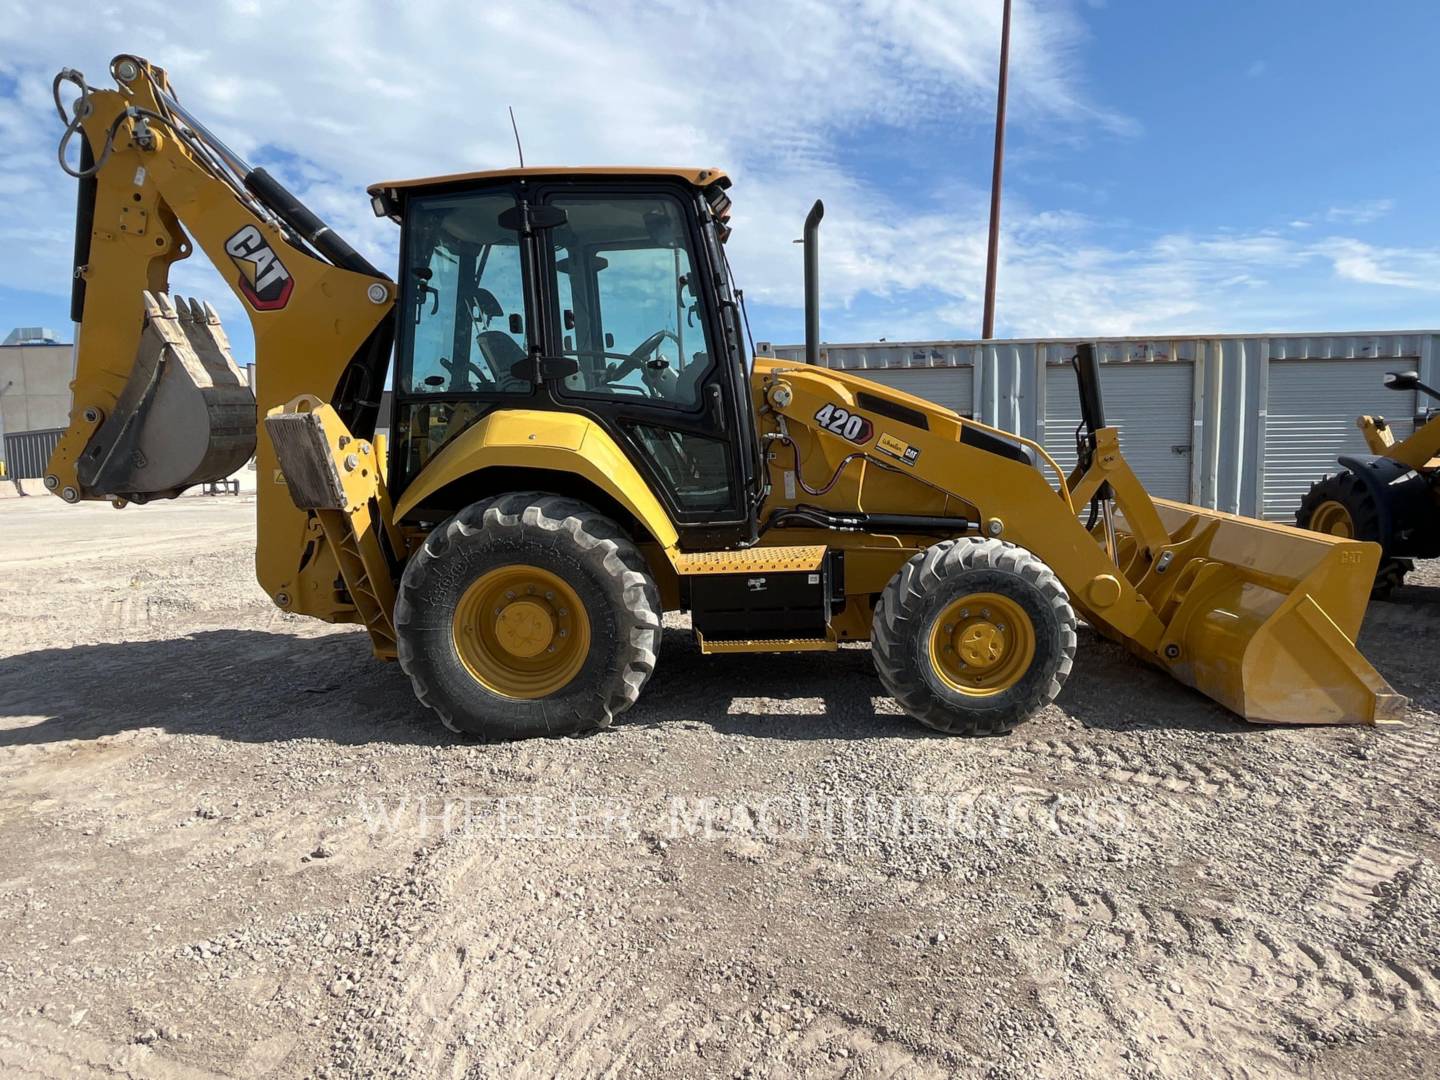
1310, 421
1151, 404
1259, 420
26, 452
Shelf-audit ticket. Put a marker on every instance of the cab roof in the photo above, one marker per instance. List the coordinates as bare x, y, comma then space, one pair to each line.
698, 177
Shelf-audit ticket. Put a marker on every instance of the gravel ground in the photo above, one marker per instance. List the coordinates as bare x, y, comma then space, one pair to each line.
234, 845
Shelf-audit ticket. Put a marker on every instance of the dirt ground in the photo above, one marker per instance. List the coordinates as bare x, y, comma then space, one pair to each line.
234, 845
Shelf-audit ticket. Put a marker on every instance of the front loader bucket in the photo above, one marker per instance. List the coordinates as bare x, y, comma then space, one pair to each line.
1263, 618
185, 415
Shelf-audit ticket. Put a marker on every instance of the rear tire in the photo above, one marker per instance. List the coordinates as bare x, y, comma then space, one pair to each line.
973, 636
527, 615
1341, 505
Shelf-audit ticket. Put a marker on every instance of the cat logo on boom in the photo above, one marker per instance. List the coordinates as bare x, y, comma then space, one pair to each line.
264, 280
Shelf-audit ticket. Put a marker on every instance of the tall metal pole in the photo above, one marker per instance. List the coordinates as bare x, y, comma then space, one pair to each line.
993, 257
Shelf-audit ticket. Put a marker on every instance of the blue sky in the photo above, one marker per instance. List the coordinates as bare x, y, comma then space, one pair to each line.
1172, 168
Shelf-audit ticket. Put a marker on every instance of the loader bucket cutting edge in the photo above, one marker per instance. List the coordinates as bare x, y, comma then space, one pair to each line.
1264, 617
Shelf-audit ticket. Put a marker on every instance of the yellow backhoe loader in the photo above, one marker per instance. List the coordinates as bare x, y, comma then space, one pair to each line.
1390, 495
580, 442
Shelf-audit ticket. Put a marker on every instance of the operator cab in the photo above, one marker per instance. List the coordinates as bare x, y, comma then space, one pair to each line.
599, 292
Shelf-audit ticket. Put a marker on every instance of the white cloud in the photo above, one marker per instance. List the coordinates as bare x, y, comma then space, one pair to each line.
1369, 265
1361, 213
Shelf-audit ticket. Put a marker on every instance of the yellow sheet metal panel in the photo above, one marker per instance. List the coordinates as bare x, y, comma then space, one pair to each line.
537, 439
758, 560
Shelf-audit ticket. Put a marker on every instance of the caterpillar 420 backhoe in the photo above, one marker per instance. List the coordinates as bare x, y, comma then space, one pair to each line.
580, 443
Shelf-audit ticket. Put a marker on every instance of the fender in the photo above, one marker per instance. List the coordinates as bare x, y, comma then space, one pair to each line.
1402, 495
561, 442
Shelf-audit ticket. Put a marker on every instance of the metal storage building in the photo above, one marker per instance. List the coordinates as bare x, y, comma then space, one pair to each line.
1243, 423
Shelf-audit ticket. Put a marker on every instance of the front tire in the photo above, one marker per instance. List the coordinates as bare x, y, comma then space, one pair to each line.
973, 636
527, 615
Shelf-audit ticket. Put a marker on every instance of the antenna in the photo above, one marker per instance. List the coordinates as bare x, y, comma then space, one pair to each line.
516, 128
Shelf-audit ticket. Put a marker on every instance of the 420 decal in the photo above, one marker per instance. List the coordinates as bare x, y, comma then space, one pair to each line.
844, 423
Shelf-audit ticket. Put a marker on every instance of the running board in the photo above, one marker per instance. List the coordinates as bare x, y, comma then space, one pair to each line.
759, 645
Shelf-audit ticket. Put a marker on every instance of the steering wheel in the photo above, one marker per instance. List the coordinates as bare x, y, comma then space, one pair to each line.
639, 354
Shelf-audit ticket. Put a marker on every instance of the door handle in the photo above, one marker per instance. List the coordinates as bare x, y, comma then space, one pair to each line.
716, 409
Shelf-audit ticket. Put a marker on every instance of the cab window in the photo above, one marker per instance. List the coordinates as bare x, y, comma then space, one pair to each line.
629, 301
464, 328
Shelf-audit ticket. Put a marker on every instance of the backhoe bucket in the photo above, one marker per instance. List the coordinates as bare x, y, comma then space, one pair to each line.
1263, 618
185, 416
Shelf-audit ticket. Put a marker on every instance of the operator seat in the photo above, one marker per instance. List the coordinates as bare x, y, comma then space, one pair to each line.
501, 351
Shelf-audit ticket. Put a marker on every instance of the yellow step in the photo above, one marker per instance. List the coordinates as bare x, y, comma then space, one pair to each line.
767, 645
755, 560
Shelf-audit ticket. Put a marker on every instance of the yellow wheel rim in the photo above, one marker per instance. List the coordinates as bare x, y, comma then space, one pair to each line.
521, 631
982, 644
1334, 518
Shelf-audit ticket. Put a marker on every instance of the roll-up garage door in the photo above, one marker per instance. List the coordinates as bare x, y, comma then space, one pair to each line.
1310, 421
1150, 404
952, 387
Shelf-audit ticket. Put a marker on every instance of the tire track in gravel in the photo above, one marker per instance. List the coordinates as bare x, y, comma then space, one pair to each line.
1406, 750
1191, 993
40, 1047
494, 959
1122, 762
1355, 887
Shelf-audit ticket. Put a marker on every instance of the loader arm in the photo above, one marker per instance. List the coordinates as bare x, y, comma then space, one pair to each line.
1421, 451
1260, 617
150, 416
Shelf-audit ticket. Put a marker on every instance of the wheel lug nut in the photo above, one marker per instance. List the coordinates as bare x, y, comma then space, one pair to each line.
549, 596
949, 628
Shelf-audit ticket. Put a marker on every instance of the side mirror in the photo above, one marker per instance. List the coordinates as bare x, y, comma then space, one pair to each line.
1402, 380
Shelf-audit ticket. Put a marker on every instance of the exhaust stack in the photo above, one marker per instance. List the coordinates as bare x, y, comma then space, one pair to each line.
812, 282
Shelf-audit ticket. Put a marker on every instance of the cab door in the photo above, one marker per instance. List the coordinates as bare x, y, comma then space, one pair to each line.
629, 315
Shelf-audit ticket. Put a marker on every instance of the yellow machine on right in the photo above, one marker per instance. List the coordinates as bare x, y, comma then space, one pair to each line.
1390, 496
